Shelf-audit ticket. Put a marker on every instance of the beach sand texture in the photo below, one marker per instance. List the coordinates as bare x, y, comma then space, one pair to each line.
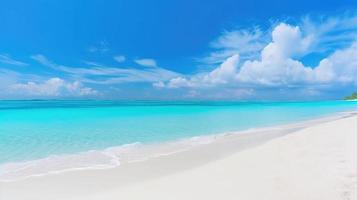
315, 163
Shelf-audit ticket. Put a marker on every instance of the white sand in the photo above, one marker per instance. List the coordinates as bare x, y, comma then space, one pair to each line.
316, 163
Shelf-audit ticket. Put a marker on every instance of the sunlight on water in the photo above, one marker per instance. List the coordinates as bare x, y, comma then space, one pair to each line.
36, 129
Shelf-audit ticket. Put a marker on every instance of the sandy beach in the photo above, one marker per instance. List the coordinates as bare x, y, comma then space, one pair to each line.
178, 100
311, 162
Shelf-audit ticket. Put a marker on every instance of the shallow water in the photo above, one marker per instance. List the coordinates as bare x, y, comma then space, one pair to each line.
37, 129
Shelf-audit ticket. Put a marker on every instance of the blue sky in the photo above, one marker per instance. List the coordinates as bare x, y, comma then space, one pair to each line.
245, 50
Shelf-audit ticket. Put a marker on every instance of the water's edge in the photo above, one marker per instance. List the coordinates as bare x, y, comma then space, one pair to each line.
136, 152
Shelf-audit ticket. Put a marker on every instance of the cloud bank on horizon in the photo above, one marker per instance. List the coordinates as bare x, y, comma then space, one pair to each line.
249, 63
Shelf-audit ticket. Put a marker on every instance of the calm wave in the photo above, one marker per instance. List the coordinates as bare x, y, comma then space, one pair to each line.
37, 129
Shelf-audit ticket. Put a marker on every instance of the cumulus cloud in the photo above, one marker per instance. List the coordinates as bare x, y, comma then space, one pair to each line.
53, 87
278, 65
6, 59
148, 62
327, 33
223, 74
340, 67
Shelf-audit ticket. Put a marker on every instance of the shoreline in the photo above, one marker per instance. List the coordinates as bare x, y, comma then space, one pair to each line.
114, 157
196, 166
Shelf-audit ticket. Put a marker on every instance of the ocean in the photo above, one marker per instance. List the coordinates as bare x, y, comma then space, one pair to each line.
38, 129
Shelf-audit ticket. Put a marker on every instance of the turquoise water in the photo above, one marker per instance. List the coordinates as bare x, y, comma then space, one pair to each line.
36, 129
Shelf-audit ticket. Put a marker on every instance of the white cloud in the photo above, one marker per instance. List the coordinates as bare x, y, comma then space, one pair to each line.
278, 66
330, 33
339, 67
326, 35
101, 74
119, 58
178, 82
287, 41
6, 59
223, 74
245, 42
53, 87
148, 62
159, 84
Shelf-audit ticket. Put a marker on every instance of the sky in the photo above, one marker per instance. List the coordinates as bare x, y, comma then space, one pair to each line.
173, 50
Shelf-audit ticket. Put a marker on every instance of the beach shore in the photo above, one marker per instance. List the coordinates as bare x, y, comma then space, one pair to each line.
310, 161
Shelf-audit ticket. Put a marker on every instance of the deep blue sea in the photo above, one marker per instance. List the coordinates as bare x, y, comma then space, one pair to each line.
36, 129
